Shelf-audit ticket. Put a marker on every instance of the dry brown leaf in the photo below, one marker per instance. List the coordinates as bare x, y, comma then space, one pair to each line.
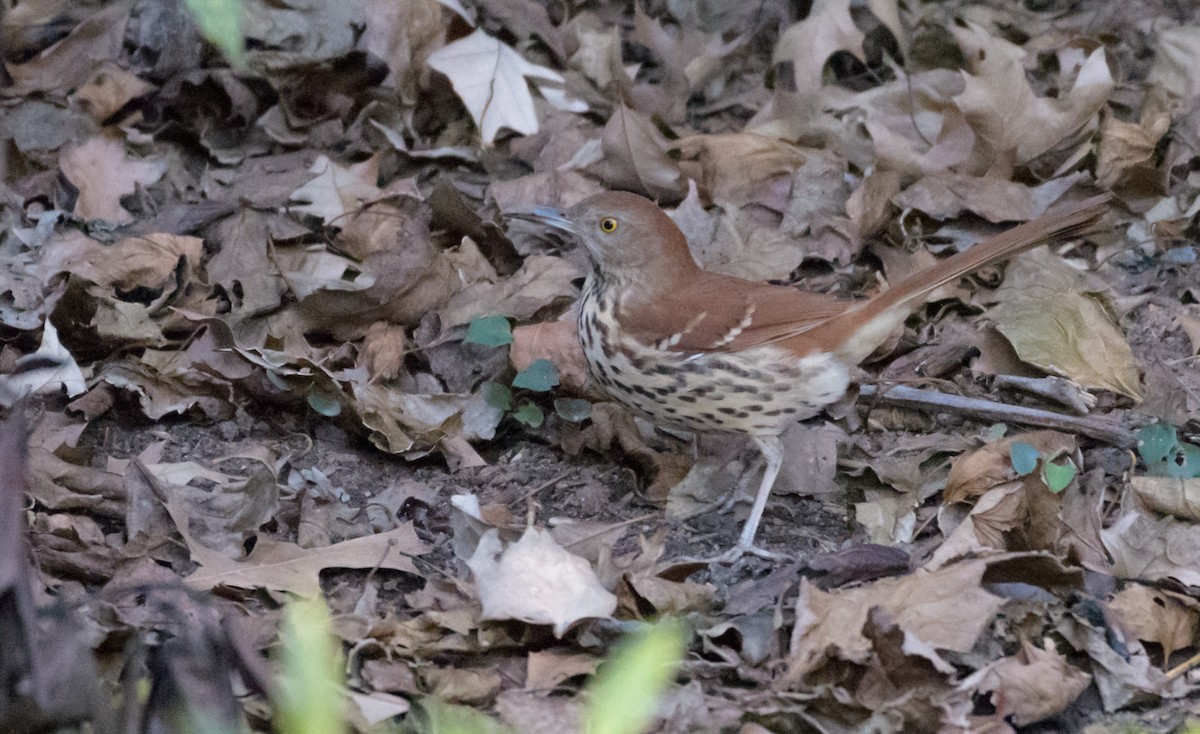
1178, 496
869, 206
947, 608
1174, 67
288, 567
635, 158
404, 35
809, 43
337, 191
546, 669
1056, 325
383, 350
103, 173
1014, 124
1156, 615
147, 261
1127, 145
68, 63
541, 281
1152, 549
490, 78
109, 89
976, 472
534, 580
1031, 686
732, 168
555, 341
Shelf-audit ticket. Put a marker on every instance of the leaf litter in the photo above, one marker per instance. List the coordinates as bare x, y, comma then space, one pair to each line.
250, 320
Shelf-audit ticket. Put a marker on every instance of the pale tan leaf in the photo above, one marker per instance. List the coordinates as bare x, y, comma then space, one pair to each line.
536, 581
809, 43
288, 567
489, 77
103, 173
1054, 324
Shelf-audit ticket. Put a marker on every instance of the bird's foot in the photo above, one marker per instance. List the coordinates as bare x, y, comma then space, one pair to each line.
736, 553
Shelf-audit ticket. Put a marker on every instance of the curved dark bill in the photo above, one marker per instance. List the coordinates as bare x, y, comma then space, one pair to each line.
547, 215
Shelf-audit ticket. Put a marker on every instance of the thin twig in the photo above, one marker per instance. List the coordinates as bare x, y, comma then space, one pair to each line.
930, 400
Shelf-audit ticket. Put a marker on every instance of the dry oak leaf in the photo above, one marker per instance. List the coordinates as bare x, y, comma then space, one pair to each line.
635, 158
1178, 496
947, 608
1054, 323
337, 190
809, 43
731, 167
541, 280
490, 78
536, 580
109, 89
1152, 549
103, 173
68, 63
146, 261
1127, 145
288, 567
1174, 68
1157, 615
403, 35
1017, 125
1030, 686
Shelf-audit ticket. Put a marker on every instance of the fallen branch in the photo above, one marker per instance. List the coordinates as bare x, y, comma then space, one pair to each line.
902, 396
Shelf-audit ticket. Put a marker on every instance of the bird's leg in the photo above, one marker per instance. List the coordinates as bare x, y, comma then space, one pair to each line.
772, 450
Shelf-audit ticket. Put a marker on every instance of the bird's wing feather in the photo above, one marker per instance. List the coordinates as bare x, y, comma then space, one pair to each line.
719, 313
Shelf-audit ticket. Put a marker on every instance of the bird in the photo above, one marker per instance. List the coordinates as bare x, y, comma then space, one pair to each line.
704, 352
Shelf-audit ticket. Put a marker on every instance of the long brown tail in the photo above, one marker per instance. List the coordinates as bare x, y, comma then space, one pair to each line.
877, 317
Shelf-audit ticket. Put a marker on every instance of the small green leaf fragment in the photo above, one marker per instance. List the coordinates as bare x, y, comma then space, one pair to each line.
325, 403
311, 692
490, 331
1058, 476
434, 716
624, 695
496, 395
278, 380
995, 432
220, 22
1185, 462
1156, 442
539, 376
572, 409
1024, 457
529, 414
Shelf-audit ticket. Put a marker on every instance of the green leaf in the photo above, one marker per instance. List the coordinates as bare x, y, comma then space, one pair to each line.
433, 716
220, 21
311, 689
1024, 457
1058, 476
539, 376
572, 409
1156, 442
325, 403
490, 331
496, 395
624, 695
529, 414
1185, 462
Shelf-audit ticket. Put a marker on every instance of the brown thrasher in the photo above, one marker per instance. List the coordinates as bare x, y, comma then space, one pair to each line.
702, 351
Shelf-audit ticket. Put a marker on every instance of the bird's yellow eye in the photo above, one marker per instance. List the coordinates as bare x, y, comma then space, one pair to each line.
608, 225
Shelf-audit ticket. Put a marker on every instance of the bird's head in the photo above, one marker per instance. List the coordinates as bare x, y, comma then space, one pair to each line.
627, 236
